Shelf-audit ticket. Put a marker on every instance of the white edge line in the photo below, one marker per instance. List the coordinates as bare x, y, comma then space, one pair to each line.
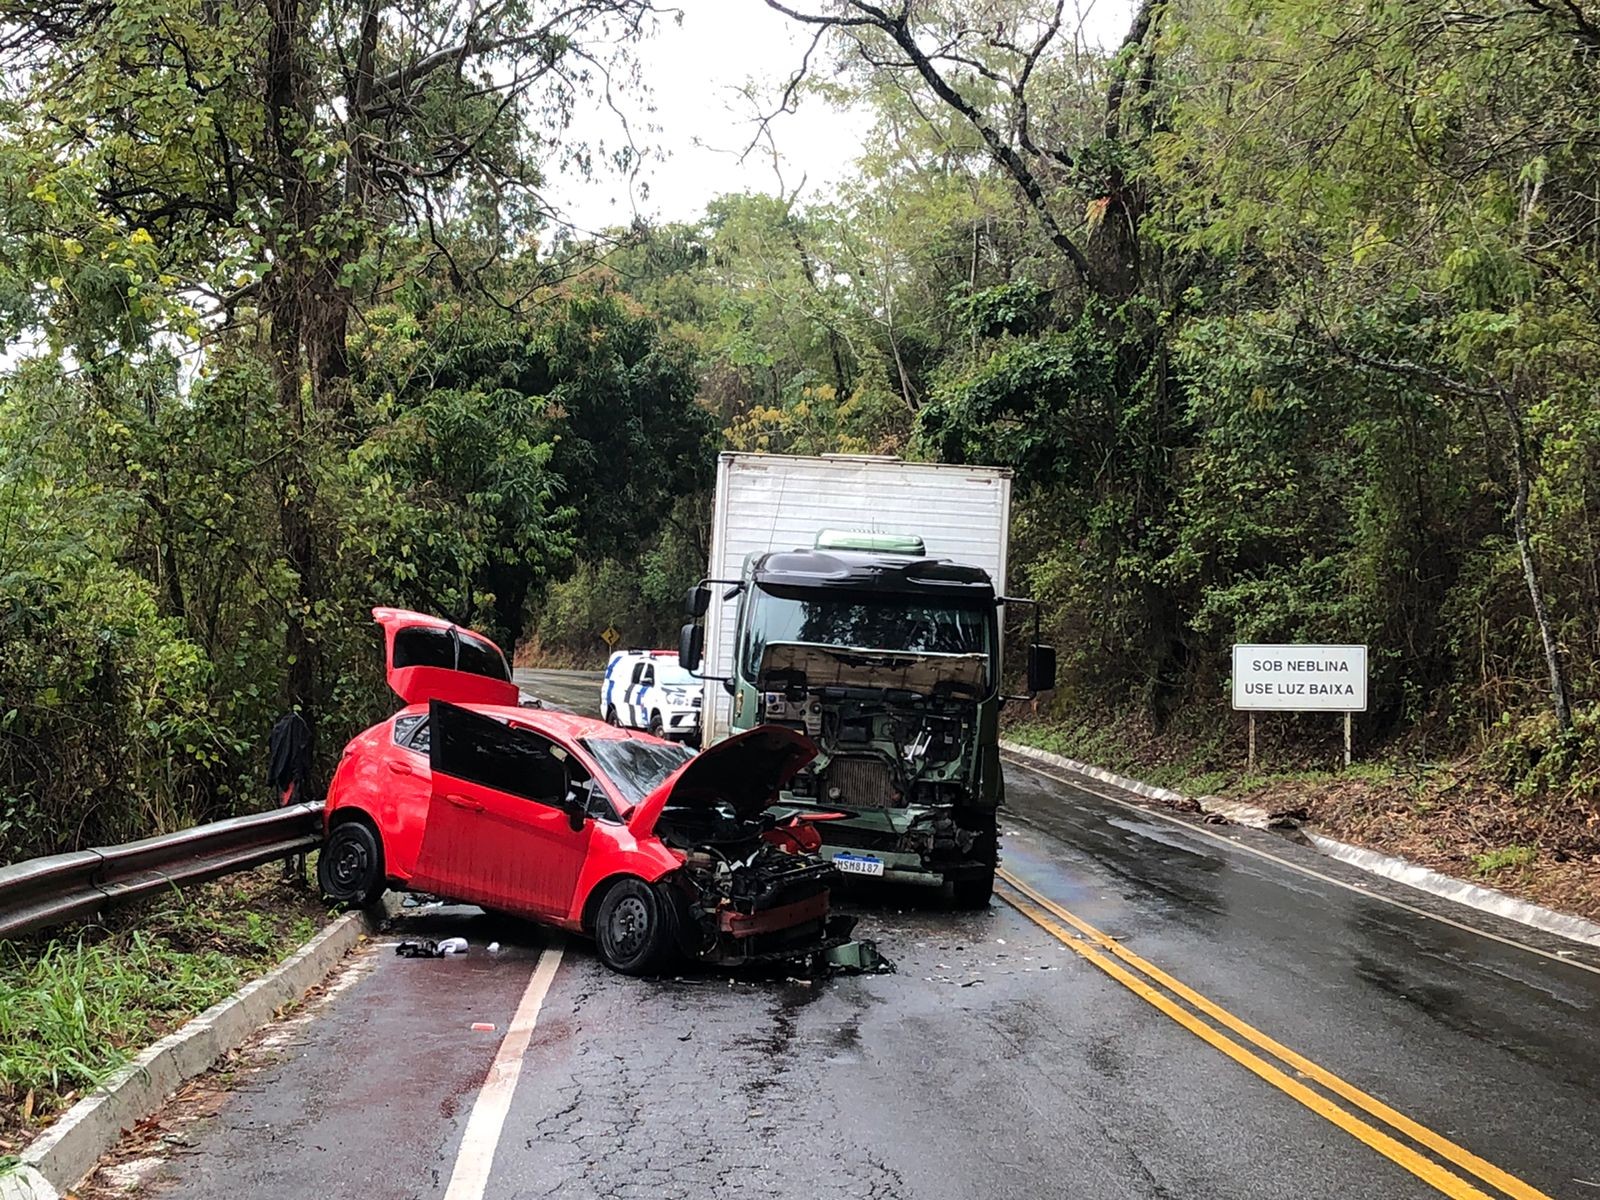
1359, 889
470, 1178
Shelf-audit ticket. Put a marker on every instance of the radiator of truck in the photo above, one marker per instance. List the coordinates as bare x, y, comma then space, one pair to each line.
866, 782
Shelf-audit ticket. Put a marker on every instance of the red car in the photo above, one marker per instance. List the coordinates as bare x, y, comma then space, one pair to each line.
651, 849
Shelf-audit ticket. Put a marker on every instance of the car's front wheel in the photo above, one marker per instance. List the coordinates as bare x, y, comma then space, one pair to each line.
656, 726
635, 930
350, 867
972, 892
611, 716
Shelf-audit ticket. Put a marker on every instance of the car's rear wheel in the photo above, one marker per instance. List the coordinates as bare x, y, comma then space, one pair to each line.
635, 929
656, 727
350, 867
611, 715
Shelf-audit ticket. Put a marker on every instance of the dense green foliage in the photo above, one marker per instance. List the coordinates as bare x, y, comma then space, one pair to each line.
1282, 313
283, 346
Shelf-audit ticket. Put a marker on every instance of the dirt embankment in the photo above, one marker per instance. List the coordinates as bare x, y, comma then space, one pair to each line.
1449, 818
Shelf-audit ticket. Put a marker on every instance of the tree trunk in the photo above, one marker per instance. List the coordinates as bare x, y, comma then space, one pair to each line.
1530, 572
285, 300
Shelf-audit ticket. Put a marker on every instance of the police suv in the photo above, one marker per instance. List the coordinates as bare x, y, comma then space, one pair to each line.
647, 689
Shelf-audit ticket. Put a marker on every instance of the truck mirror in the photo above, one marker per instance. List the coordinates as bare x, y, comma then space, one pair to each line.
1041, 667
691, 644
696, 600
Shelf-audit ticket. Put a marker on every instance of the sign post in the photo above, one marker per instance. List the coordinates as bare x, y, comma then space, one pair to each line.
1283, 678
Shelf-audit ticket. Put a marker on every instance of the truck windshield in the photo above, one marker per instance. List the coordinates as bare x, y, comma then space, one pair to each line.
864, 622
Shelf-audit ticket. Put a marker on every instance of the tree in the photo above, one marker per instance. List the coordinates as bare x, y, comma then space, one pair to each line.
1436, 195
233, 169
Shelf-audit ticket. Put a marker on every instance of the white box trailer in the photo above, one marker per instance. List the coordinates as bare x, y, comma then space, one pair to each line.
780, 502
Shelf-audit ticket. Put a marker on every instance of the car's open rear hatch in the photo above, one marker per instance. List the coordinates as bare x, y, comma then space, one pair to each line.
428, 658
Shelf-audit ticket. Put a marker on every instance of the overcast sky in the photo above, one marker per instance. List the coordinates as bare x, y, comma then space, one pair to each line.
696, 71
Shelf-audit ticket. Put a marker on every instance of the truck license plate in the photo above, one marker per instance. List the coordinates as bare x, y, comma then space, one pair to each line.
859, 864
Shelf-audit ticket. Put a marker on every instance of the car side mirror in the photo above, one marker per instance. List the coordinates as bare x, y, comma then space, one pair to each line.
1041, 667
696, 601
691, 645
576, 804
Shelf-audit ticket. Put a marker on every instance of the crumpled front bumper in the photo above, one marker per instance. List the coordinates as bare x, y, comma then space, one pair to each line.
795, 930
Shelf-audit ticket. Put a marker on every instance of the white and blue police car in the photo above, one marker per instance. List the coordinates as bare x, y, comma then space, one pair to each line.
647, 689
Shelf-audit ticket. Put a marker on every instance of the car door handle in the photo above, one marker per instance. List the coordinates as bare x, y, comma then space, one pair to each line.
400, 768
463, 802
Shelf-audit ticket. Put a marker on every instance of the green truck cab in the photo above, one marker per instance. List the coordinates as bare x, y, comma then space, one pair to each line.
890, 661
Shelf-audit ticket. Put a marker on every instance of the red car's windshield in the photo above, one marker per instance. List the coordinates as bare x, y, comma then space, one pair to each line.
636, 767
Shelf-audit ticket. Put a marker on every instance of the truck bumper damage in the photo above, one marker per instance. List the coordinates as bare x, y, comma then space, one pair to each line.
924, 847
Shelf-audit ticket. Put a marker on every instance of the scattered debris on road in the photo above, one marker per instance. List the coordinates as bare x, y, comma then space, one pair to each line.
860, 957
428, 948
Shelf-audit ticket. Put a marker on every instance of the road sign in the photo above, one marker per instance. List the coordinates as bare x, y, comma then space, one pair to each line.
611, 636
1300, 678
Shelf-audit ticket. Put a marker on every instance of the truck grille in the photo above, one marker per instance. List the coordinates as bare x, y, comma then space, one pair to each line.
865, 782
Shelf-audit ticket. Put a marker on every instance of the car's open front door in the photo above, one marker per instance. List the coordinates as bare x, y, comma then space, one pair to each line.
498, 831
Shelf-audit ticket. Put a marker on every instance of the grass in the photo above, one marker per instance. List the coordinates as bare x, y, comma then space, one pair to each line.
77, 1006
1493, 861
1191, 767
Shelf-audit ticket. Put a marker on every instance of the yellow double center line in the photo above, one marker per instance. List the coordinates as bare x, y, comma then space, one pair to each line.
1109, 955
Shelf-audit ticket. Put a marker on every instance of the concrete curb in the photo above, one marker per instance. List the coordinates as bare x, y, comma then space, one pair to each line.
58, 1158
1239, 814
1472, 895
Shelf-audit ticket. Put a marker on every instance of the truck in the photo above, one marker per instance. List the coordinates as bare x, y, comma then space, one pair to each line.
860, 600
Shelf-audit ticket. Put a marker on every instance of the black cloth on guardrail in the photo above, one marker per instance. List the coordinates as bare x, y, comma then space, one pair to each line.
289, 760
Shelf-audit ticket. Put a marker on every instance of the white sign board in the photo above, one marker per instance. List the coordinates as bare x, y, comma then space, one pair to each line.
1300, 678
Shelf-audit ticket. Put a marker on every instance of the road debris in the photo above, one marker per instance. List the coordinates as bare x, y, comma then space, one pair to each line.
482, 1027
428, 948
859, 957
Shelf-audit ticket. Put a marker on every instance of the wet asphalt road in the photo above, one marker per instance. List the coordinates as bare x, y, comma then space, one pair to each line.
569, 691
996, 1062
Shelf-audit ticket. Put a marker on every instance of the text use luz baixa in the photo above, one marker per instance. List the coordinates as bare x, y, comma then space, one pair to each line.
1313, 688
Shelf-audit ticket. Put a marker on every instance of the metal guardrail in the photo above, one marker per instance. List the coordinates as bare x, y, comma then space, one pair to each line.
49, 891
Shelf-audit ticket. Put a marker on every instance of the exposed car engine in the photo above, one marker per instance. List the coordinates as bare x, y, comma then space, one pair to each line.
740, 890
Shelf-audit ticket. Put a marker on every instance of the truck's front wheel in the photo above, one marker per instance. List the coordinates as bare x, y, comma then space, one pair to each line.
972, 892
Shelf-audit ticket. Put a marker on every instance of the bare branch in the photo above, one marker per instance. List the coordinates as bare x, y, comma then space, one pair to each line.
1137, 32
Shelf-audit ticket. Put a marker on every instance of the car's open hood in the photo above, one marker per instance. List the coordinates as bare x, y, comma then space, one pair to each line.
838, 666
747, 770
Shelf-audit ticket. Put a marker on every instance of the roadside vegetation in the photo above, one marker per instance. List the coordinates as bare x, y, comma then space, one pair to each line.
76, 1005
1281, 312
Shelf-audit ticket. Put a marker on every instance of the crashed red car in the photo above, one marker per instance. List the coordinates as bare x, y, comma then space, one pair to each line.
649, 848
